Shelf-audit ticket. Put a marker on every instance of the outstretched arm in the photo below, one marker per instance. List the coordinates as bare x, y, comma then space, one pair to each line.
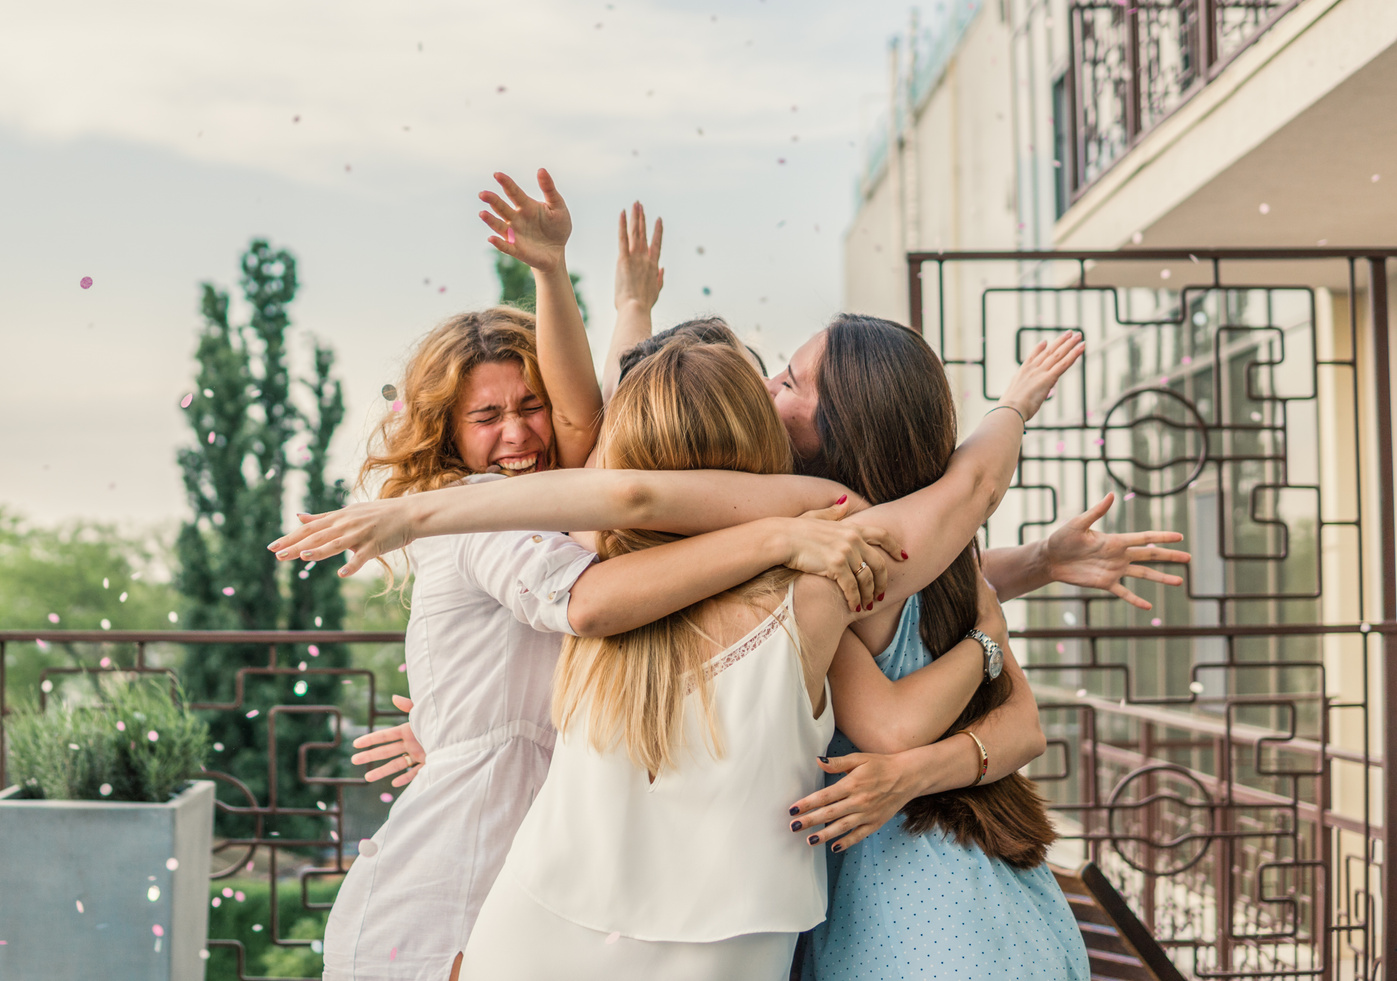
1080, 556
639, 280
686, 502
536, 233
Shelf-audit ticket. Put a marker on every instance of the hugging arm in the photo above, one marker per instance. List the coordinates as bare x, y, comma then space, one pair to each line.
536, 233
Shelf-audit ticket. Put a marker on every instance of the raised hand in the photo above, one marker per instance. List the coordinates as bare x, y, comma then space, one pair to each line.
396, 744
369, 529
1040, 371
534, 232
1081, 556
639, 277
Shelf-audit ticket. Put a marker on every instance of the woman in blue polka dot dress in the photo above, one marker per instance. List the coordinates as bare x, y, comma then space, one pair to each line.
961, 889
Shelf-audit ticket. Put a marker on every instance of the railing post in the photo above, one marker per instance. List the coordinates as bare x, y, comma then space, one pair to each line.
1387, 504
914, 294
1207, 37
1132, 74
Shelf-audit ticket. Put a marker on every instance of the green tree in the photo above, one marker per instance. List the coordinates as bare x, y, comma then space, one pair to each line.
517, 284
246, 426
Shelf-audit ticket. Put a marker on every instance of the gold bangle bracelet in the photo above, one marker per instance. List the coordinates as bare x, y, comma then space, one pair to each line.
984, 756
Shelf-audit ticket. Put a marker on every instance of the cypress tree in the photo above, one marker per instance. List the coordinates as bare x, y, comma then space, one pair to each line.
244, 423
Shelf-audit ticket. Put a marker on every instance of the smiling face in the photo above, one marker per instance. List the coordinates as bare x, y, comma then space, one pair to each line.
499, 421
793, 392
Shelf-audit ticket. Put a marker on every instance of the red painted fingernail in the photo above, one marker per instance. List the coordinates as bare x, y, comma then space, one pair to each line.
841, 500
904, 555
880, 597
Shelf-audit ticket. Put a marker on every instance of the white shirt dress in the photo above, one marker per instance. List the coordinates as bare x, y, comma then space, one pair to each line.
488, 612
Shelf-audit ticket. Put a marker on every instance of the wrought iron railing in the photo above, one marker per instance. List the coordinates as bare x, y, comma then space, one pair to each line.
1135, 63
1224, 758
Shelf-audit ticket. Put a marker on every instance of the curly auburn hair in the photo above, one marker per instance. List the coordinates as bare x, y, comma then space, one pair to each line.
415, 449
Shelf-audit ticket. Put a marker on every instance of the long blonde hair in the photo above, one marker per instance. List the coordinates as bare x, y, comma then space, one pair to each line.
691, 406
415, 449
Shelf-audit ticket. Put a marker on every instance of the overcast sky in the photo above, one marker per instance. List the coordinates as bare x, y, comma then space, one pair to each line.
143, 142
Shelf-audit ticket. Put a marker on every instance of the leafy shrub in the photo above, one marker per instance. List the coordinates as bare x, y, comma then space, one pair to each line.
234, 920
137, 743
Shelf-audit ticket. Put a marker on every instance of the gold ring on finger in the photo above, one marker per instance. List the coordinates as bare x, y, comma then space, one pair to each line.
410, 762
860, 568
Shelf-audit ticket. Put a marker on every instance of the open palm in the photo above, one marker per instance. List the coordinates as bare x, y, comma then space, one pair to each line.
1082, 556
532, 231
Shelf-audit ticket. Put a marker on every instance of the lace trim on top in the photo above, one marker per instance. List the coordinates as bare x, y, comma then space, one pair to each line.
721, 663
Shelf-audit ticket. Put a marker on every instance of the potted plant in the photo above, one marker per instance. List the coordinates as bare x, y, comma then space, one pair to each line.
104, 839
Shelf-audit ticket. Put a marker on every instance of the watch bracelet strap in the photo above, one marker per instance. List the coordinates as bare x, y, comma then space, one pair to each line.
984, 755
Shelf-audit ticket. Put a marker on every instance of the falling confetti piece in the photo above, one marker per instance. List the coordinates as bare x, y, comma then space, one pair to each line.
1196, 687
1165, 274
368, 847
1099, 441
253, 714
172, 864
80, 909
106, 624
1069, 618
46, 687
1137, 237
1130, 495
74, 747
316, 946
229, 590
393, 954
218, 747
1061, 647
398, 406
153, 894
153, 736
216, 902
313, 651
105, 790
615, 935
386, 798
106, 662
158, 930
256, 928
1061, 446
389, 392
1265, 209
1081, 693
120, 726
121, 598
227, 892
1156, 622
500, 90
43, 645
301, 666
212, 437
204, 954
173, 616
402, 669
1376, 178
1186, 360
317, 621
239, 896
780, 160
53, 618
85, 282
707, 291
300, 687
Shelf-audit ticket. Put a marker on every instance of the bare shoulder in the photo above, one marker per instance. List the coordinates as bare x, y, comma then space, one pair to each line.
821, 612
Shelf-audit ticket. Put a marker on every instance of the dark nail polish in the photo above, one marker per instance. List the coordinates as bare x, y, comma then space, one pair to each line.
795, 825
823, 759
813, 839
880, 597
836, 848
795, 811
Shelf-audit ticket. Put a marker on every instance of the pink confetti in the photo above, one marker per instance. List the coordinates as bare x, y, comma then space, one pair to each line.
1130, 496
386, 798
216, 902
1099, 441
397, 405
228, 590
240, 896
393, 954
780, 160
614, 936
120, 726
1186, 359
1061, 647
53, 618
227, 892
1156, 622
185, 402
80, 909
158, 930
313, 650
441, 289
253, 714
402, 669
212, 437
1265, 209
106, 662
509, 234
85, 282
1061, 446
153, 736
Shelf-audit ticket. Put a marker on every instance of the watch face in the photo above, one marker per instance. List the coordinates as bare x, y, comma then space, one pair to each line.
994, 663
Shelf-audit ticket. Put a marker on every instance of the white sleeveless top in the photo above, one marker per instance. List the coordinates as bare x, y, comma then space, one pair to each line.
706, 851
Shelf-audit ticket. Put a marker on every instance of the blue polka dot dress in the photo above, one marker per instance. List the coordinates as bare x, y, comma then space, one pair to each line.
923, 906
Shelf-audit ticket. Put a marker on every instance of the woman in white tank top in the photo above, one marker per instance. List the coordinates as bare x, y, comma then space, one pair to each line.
656, 847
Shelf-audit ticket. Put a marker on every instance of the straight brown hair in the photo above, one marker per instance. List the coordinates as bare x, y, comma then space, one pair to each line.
887, 427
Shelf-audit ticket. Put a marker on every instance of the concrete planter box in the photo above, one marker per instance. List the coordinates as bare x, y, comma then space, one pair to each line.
110, 857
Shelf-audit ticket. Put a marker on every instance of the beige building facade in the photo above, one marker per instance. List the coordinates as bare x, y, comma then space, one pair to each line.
1208, 190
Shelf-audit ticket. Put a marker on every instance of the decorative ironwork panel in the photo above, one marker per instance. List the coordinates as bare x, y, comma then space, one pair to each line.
1220, 756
